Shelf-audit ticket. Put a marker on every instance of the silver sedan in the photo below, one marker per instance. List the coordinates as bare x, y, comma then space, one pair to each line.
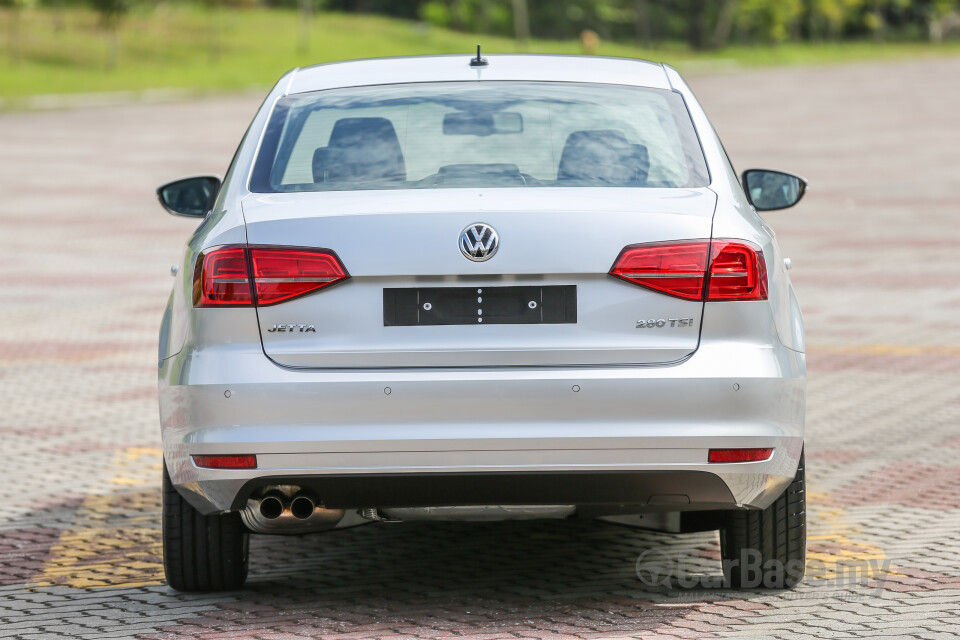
456, 287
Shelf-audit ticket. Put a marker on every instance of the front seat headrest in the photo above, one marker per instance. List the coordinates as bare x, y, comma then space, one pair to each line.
603, 156
360, 150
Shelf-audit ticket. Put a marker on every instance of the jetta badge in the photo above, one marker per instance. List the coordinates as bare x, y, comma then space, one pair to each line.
479, 241
304, 328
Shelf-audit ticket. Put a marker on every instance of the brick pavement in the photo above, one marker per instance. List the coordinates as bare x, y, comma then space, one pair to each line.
85, 252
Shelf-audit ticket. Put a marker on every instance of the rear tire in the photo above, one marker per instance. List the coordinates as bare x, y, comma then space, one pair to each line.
201, 553
767, 549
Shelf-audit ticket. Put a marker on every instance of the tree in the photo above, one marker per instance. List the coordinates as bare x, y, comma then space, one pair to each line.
521, 22
306, 18
700, 23
213, 28
696, 24
111, 15
111, 11
641, 21
768, 20
941, 14
721, 32
13, 26
59, 19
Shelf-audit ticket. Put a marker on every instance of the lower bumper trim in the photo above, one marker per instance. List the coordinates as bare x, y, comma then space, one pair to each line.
636, 490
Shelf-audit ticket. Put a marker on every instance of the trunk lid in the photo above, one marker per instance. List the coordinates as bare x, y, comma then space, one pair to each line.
407, 242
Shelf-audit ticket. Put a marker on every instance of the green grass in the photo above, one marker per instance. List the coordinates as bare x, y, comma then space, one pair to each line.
171, 48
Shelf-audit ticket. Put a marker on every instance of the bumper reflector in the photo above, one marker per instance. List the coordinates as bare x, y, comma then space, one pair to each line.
225, 462
739, 455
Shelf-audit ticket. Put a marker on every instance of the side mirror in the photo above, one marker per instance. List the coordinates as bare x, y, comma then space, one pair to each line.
769, 190
192, 197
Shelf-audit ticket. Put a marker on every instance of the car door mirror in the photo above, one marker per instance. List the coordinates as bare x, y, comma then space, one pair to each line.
769, 190
192, 197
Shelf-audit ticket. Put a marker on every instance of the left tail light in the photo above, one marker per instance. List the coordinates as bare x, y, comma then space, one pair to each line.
262, 276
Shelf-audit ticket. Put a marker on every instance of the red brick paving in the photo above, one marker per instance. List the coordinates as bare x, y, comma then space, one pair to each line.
910, 484
22, 552
819, 362
911, 579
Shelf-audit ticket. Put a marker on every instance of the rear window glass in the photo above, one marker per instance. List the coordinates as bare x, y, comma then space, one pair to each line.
459, 134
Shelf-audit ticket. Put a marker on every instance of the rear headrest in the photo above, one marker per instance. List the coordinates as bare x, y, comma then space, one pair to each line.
603, 156
360, 150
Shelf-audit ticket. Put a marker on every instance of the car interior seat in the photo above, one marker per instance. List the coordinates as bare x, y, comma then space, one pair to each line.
603, 157
360, 150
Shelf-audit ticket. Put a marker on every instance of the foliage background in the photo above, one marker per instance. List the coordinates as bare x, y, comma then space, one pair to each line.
61, 46
701, 23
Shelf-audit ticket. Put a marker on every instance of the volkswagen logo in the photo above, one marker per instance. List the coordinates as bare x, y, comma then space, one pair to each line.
479, 241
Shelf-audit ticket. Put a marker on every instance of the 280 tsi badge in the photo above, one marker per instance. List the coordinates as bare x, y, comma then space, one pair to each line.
659, 323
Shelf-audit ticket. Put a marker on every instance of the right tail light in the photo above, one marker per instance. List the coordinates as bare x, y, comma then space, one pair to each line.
737, 272
696, 269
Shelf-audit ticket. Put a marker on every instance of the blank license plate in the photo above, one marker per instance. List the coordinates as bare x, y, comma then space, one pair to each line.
480, 305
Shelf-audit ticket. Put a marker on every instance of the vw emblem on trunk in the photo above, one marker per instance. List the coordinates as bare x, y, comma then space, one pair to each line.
479, 241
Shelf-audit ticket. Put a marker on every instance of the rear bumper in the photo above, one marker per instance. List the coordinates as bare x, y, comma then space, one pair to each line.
605, 492
634, 436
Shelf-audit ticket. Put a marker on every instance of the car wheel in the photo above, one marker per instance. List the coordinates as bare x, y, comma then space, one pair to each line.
767, 548
201, 553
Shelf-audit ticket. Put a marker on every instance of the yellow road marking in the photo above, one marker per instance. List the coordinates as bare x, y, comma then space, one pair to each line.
888, 350
843, 553
114, 538
835, 548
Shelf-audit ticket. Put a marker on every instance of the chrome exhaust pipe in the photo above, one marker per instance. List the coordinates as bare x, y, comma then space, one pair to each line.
302, 507
288, 509
271, 506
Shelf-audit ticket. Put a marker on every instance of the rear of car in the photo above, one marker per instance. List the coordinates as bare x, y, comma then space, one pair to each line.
510, 291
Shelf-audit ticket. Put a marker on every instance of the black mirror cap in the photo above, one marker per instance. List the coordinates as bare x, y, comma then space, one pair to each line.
791, 188
191, 197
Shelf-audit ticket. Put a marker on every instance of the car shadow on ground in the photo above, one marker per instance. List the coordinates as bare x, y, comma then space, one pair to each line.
491, 576
424, 578
434, 578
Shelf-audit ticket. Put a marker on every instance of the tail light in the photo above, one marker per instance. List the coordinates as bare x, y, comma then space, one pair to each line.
735, 269
737, 272
675, 268
283, 274
221, 279
262, 276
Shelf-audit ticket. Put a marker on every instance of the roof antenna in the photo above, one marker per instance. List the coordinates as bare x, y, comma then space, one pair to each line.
478, 61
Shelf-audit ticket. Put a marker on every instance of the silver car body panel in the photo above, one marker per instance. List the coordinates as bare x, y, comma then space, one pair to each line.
349, 405
409, 239
455, 68
736, 391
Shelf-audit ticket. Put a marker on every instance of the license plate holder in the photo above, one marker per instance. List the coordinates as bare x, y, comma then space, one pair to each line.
432, 306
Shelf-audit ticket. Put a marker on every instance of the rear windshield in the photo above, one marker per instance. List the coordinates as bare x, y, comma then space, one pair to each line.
479, 134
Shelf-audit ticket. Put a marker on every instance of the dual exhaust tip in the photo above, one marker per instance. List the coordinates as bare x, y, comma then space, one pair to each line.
301, 506
288, 509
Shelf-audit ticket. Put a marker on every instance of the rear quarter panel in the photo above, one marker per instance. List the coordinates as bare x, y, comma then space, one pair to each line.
223, 225
736, 218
